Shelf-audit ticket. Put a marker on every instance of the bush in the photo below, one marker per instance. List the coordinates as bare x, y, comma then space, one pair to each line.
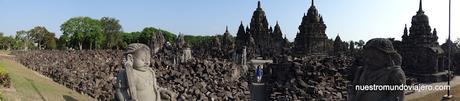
5, 79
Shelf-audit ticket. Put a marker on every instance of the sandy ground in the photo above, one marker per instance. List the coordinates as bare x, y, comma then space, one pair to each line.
425, 93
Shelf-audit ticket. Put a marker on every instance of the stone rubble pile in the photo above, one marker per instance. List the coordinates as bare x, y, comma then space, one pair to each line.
93, 72
310, 78
90, 72
203, 80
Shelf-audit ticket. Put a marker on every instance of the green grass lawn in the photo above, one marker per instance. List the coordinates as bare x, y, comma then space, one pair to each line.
28, 85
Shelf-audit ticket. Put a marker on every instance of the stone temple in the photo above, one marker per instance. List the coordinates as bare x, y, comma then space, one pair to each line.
312, 38
421, 53
261, 39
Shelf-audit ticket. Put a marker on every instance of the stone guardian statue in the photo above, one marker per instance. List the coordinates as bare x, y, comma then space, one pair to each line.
382, 66
137, 81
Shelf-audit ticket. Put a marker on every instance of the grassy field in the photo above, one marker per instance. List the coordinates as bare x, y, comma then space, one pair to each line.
28, 85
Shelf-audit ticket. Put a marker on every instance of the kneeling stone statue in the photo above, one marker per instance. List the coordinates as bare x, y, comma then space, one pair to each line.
137, 81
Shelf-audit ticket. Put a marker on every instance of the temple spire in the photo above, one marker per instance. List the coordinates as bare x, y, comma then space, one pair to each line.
405, 29
420, 7
258, 4
226, 29
312, 2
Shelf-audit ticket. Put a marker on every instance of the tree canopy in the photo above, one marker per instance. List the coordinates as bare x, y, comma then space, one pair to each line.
82, 33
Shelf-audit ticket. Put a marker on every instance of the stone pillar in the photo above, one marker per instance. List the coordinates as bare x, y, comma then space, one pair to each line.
186, 55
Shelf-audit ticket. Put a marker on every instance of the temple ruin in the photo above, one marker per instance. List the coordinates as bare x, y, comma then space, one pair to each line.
312, 38
421, 53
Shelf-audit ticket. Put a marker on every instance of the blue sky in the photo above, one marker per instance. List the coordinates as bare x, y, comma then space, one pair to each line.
352, 19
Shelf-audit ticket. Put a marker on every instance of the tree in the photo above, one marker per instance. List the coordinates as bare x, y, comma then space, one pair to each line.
360, 44
146, 35
24, 38
112, 31
197, 41
6, 42
37, 35
63, 41
132, 37
49, 41
170, 37
83, 32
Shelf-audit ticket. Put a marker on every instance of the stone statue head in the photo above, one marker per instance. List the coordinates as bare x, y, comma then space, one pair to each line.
379, 53
137, 56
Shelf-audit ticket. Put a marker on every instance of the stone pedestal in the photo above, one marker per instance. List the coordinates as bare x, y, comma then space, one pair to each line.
258, 92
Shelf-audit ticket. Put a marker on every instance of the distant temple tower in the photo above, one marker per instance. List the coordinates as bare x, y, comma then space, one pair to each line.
260, 38
312, 36
420, 51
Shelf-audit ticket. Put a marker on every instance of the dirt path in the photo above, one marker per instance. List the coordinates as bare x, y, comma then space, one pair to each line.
28, 85
417, 96
437, 95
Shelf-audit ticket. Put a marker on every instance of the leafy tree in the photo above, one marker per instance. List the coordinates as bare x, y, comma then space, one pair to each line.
112, 31
6, 42
83, 32
170, 37
149, 31
37, 35
63, 41
146, 35
195, 41
49, 41
360, 44
24, 39
132, 37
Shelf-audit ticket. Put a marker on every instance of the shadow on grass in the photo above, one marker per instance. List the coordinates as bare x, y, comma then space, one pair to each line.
69, 98
35, 88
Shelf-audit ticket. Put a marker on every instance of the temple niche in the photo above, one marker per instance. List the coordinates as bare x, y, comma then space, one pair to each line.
312, 38
260, 39
421, 53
